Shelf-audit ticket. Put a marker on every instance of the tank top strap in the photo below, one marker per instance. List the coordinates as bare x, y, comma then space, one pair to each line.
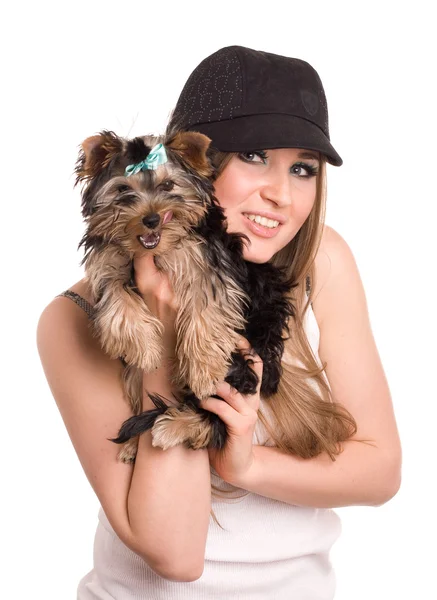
84, 304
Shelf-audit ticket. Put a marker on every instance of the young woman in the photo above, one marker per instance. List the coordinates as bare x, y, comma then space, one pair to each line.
327, 439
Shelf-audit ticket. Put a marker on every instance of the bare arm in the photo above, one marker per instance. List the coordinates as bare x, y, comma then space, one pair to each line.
158, 507
169, 500
362, 474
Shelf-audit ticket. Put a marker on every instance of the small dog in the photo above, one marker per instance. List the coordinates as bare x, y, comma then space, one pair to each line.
155, 194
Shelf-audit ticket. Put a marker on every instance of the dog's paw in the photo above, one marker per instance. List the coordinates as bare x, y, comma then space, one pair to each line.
139, 345
209, 366
128, 451
201, 377
204, 387
181, 426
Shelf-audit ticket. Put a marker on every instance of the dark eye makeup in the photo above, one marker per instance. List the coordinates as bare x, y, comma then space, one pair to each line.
244, 155
310, 169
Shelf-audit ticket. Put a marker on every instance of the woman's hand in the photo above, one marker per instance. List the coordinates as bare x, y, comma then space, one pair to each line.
156, 290
239, 413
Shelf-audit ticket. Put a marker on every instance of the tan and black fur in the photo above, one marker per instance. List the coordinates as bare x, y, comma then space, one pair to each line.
172, 213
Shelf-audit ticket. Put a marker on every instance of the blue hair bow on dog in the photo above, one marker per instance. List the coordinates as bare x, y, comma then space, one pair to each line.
157, 156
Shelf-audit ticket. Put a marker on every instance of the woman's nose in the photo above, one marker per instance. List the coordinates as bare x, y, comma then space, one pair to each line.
277, 188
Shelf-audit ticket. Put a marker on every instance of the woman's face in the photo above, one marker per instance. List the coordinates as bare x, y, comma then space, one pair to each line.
279, 185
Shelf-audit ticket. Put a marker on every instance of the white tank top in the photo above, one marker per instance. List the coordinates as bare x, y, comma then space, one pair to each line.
267, 550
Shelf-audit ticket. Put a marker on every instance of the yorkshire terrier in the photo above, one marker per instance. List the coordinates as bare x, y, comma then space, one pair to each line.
155, 194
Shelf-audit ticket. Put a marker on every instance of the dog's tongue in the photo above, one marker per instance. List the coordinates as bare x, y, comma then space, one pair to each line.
150, 238
167, 217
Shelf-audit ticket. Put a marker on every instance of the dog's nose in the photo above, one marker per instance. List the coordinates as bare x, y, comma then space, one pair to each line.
151, 221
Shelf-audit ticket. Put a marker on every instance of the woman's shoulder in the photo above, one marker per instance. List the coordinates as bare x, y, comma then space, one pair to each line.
82, 288
70, 315
64, 335
73, 305
75, 301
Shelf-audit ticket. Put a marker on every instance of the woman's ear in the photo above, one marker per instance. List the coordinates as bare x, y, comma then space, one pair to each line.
191, 147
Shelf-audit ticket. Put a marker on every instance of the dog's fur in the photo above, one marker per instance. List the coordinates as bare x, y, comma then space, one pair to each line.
172, 213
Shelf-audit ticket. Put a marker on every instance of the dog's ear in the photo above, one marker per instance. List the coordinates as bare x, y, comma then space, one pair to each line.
96, 154
191, 147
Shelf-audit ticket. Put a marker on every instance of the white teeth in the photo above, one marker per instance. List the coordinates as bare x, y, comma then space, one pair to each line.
263, 221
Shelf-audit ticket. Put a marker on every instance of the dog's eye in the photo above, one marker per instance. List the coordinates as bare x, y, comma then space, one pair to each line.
167, 185
123, 188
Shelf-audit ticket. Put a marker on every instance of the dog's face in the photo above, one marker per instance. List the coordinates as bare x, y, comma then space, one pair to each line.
151, 209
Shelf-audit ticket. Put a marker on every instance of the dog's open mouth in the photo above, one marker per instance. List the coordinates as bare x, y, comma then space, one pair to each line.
150, 240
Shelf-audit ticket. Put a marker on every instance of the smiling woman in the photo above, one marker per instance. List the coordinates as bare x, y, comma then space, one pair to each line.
327, 438
268, 195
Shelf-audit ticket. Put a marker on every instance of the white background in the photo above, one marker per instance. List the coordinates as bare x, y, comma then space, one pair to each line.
70, 69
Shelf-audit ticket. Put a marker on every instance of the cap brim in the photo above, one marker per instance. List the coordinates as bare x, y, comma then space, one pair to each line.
261, 132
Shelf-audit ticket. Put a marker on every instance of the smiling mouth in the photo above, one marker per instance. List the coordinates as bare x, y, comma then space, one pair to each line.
150, 240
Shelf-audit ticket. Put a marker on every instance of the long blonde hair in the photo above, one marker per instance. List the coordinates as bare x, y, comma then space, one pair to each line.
305, 420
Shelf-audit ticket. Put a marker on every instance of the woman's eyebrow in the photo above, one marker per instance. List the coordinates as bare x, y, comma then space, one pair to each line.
308, 155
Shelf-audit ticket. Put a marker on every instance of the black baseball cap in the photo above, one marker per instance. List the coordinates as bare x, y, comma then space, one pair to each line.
246, 99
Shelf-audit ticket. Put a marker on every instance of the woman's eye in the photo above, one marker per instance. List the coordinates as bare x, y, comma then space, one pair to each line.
251, 156
309, 170
167, 185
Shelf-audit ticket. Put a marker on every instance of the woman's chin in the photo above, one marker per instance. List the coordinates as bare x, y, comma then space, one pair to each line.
256, 257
